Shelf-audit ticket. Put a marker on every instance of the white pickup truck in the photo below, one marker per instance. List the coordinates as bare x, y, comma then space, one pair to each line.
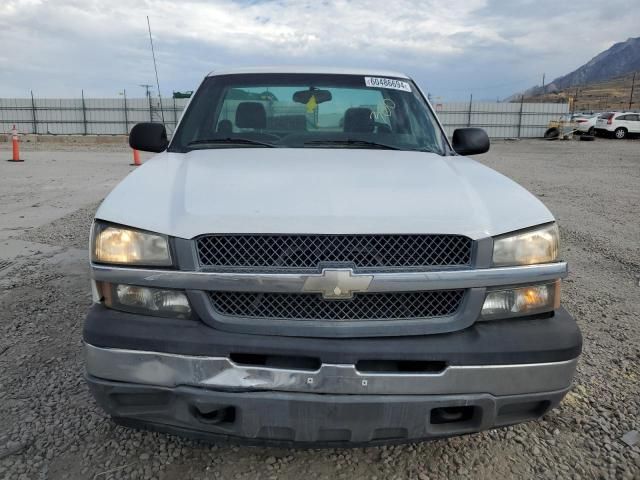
310, 261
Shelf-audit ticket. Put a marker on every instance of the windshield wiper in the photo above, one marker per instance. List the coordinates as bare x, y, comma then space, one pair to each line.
230, 141
354, 142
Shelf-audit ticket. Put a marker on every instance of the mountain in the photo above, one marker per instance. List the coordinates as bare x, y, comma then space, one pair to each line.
621, 59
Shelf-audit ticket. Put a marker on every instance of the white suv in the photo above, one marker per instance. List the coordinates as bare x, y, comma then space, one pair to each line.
621, 124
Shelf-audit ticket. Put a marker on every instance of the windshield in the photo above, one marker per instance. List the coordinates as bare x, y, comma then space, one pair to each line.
308, 111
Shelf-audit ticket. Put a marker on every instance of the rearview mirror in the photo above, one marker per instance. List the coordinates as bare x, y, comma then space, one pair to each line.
148, 137
470, 141
303, 96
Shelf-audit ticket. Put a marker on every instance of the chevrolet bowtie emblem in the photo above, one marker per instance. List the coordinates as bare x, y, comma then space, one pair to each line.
337, 283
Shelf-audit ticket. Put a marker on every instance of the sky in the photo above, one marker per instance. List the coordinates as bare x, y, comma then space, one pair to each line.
453, 48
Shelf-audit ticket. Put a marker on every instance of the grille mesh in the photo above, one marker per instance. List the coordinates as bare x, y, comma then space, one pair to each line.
308, 252
365, 306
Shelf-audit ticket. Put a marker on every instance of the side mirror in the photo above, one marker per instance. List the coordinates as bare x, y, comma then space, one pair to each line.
470, 141
148, 137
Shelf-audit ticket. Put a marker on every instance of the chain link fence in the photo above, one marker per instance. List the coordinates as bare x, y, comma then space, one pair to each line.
116, 116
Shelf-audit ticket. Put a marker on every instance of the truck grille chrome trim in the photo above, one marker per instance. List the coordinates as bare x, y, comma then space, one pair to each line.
171, 370
311, 252
294, 282
363, 306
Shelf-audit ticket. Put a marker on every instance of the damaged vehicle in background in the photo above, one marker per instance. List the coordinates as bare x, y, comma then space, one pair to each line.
309, 261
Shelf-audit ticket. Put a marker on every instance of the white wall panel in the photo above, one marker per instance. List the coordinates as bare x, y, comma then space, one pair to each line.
106, 116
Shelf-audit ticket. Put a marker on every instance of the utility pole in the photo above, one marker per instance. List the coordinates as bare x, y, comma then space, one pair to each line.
633, 84
147, 89
543, 75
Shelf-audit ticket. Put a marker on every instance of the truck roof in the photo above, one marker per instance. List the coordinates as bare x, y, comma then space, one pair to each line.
301, 69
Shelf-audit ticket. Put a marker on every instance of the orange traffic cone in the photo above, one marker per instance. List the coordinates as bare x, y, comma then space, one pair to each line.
136, 158
15, 145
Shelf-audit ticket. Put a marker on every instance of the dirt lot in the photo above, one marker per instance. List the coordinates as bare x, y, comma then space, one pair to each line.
51, 428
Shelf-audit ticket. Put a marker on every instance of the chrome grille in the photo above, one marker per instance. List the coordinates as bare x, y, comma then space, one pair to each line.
363, 306
310, 252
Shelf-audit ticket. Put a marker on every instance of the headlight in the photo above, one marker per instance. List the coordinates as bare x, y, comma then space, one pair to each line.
540, 245
126, 246
516, 302
146, 301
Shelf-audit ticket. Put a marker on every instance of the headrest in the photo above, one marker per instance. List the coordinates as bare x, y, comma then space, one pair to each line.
251, 115
358, 119
225, 127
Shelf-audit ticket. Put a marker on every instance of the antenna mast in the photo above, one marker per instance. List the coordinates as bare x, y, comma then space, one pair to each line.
155, 67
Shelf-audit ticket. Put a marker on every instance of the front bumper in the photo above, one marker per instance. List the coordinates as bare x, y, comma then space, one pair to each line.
178, 376
305, 419
220, 373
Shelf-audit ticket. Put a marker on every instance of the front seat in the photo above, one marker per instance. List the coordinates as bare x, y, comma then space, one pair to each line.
358, 119
225, 127
251, 115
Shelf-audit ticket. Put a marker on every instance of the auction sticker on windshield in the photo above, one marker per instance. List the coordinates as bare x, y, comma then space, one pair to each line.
379, 82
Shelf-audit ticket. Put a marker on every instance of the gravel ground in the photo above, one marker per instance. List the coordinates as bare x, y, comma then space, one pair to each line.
59, 233
51, 428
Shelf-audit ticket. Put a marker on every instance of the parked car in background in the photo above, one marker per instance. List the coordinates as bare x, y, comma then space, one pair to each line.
586, 123
618, 124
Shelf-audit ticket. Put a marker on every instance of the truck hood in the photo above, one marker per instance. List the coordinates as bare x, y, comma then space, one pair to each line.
331, 191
